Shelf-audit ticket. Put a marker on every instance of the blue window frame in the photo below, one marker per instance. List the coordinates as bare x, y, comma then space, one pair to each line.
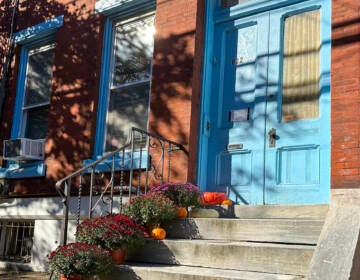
34, 77
125, 71
33, 91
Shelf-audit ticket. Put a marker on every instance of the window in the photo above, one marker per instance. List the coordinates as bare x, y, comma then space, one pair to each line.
130, 77
301, 75
34, 79
36, 101
33, 92
16, 239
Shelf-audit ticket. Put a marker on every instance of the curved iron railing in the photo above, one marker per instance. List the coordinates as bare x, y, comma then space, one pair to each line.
144, 160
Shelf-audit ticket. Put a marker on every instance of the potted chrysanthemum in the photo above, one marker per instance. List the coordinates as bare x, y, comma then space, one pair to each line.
151, 210
77, 260
114, 232
184, 195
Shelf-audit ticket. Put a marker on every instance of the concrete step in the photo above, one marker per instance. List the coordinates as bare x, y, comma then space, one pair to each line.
263, 230
314, 211
248, 256
138, 271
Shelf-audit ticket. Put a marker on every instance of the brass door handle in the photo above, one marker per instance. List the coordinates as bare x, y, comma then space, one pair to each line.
272, 137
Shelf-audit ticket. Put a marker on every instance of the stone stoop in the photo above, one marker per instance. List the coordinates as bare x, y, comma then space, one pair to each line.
247, 242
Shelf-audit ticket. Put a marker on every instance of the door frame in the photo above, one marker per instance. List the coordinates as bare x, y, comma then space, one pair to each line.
214, 15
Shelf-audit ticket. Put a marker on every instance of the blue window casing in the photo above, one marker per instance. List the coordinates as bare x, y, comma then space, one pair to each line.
114, 10
31, 37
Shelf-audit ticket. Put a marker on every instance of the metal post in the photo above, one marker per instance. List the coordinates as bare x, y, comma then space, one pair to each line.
65, 221
131, 163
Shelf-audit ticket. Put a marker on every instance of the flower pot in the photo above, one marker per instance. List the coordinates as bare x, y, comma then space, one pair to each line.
72, 277
118, 256
147, 231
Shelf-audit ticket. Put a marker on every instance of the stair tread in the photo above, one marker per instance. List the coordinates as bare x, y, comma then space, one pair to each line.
234, 243
215, 273
300, 220
312, 211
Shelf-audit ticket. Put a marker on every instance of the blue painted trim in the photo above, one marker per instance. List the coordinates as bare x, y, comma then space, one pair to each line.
122, 7
106, 165
20, 91
205, 89
34, 33
250, 8
24, 170
104, 89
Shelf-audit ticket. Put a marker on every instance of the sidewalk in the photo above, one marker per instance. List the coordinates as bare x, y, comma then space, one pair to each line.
15, 275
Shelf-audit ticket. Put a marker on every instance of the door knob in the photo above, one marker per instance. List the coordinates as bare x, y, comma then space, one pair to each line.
272, 137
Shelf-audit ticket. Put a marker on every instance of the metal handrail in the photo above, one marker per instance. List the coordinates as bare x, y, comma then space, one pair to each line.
63, 186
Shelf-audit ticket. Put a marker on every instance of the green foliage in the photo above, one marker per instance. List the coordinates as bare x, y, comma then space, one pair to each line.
151, 209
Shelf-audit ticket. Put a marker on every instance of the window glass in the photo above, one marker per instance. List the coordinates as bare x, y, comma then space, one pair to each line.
39, 75
37, 91
128, 107
300, 95
131, 72
36, 124
133, 51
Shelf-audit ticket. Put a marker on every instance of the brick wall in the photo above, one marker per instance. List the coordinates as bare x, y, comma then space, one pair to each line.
345, 91
71, 129
174, 89
72, 119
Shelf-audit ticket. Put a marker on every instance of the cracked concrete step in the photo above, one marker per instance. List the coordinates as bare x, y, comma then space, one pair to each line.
262, 230
249, 256
138, 271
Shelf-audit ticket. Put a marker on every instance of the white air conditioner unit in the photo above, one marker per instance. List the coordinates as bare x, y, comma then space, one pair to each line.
22, 149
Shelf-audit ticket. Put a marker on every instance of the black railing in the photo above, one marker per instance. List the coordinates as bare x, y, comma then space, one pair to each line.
143, 161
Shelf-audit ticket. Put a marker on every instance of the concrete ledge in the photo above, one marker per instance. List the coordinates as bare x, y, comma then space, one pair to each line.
337, 256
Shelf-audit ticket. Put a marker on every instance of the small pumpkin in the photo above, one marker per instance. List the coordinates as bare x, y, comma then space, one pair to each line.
158, 233
182, 212
214, 197
226, 202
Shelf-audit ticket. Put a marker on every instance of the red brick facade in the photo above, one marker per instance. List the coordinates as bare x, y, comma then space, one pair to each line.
176, 85
345, 92
72, 118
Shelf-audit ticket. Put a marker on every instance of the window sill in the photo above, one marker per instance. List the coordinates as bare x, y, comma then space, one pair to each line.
23, 170
106, 165
111, 7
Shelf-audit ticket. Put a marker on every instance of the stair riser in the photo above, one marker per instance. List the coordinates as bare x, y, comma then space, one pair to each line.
281, 231
252, 257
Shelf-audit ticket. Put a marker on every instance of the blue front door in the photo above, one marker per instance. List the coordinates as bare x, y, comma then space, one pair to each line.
267, 125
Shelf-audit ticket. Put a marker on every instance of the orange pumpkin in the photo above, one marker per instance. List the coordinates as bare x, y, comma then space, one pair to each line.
226, 202
182, 212
214, 197
158, 233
